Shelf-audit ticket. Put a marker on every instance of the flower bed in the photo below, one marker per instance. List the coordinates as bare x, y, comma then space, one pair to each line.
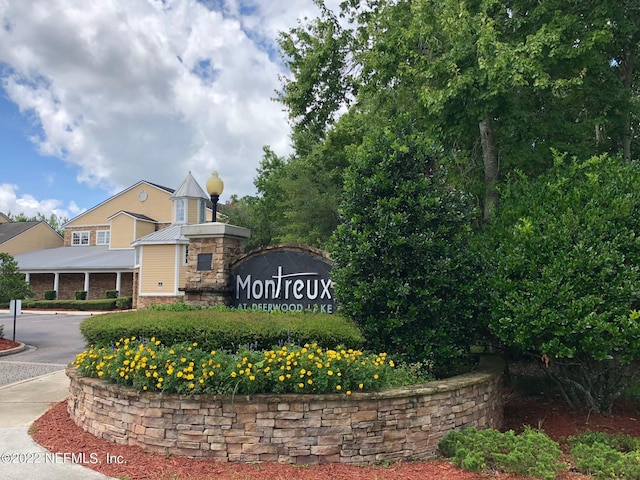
363, 428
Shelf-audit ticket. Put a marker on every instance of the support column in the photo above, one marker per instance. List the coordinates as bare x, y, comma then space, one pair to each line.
86, 283
213, 247
118, 282
56, 283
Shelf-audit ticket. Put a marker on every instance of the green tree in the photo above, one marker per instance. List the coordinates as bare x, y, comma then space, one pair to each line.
566, 281
402, 269
53, 220
12, 283
499, 83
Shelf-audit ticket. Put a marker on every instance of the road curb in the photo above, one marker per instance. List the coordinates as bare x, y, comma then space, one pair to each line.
11, 351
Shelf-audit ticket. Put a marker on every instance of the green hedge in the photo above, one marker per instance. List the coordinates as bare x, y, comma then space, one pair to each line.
227, 330
102, 304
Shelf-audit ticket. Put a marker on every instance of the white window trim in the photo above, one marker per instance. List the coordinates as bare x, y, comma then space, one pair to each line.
181, 202
103, 234
80, 236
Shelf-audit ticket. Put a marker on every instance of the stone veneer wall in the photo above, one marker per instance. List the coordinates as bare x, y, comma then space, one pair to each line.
364, 428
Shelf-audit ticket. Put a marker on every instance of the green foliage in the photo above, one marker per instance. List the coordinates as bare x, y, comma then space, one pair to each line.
402, 266
603, 456
223, 330
532, 453
567, 257
189, 369
50, 294
12, 283
111, 294
82, 305
81, 294
124, 303
53, 220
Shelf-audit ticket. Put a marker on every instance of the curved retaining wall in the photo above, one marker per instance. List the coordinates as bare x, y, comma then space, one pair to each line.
364, 428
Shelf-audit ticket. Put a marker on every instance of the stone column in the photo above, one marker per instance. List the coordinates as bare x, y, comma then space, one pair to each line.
213, 247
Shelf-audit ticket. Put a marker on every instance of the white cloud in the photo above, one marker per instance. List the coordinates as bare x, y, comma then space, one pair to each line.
149, 89
11, 202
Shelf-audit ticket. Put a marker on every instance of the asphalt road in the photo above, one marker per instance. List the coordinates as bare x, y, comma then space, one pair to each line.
53, 342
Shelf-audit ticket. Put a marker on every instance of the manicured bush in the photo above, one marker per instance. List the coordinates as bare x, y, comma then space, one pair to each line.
50, 294
112, 294
223, 330
189, 369
81, 294
565, 247
83, 305
124, 303
402, 265
532, 453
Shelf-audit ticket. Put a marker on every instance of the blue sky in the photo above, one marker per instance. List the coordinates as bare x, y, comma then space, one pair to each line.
96, 96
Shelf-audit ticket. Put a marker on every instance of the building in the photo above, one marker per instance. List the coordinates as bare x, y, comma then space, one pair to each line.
132, 243
21, 237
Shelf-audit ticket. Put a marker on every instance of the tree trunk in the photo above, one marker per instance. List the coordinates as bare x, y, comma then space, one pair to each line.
491, 168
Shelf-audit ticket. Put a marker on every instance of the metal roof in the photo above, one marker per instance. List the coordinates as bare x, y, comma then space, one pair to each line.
172, 234
190, 188
81, 258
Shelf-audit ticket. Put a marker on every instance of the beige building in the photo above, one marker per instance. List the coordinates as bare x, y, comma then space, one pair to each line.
132, 243
21, 237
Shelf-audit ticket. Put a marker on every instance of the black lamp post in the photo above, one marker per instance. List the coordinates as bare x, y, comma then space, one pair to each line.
214, 189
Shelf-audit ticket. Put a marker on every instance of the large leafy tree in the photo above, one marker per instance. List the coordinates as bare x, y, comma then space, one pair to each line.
566, 282
499, 83
402, 269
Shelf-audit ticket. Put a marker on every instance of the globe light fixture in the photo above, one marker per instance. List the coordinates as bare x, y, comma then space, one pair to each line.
215, 186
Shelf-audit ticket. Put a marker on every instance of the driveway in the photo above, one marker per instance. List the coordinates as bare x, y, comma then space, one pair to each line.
53, 341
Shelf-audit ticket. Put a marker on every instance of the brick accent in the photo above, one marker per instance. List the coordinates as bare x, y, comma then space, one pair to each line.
361, 429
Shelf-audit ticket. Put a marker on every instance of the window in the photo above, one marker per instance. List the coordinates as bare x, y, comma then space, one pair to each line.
202, 212
80, 238
103, 237
180, 210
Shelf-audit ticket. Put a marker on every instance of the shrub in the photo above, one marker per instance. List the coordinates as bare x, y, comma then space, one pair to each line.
188, 369
50, 294
1, 331
223, 330
532, 453
81, 295
84, 305
602, 456
124, 303
112, 294
566, 253
402, 266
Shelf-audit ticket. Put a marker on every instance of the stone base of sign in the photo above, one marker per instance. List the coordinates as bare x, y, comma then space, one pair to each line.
361, 429
221, 244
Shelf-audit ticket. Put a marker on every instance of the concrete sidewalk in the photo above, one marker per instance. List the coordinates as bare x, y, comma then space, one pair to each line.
21, 458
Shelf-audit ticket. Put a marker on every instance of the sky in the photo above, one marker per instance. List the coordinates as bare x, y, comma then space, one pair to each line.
97, 96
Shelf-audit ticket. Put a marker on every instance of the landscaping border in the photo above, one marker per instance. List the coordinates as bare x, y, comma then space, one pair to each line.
404, 423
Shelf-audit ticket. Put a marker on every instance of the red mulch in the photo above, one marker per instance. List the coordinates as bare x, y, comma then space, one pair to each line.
6, 344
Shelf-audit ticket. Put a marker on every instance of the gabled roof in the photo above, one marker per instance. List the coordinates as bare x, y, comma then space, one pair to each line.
142, 182
189, 188
169, 235
137, 216
11, 230
82, 258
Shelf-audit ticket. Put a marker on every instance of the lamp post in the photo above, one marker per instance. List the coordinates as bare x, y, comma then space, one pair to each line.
214, 189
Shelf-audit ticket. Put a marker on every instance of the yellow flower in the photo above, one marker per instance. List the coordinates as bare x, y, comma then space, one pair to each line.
252, 378
191, 385
338, 387
281, 378
310, 382
361, 386
234, 374
301, 385
348, 392
330, 373
376, 376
